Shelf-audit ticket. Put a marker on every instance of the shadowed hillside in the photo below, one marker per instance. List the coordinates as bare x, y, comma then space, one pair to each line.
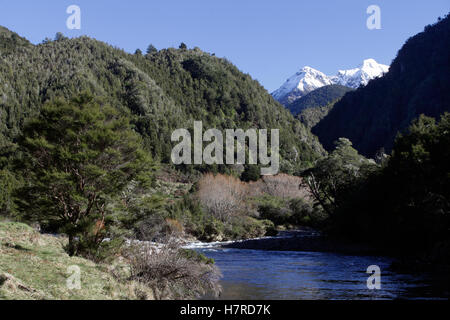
417, 83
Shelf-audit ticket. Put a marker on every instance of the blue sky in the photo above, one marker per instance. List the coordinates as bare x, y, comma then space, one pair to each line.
270, 40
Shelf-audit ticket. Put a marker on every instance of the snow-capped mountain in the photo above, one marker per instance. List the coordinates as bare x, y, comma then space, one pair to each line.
309, 79
301, 83
353, 78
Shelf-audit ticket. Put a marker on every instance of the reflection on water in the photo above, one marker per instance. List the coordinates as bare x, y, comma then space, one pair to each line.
256, 274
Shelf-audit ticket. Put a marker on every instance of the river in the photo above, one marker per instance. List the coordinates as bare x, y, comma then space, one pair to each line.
261, 274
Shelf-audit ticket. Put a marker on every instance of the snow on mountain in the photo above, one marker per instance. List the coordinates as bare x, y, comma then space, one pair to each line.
361, 75
309, 79
301, 83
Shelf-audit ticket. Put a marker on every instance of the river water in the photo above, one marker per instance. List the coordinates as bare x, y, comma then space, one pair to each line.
259, 275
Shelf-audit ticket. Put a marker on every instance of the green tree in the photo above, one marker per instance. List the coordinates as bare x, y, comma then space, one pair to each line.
403, 205
60, 36
251, 172
151, 49
183, 46
8, 180
333, 176
7, 185
78, 156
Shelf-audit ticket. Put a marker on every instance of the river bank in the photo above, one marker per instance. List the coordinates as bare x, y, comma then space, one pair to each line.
303, 239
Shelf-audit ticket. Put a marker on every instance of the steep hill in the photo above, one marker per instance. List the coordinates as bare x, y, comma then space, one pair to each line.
318, 98
418, 83
162, 91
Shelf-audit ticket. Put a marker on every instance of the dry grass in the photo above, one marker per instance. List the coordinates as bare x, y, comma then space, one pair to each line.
34, 266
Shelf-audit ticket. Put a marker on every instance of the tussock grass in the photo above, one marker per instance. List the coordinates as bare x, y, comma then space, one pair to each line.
35, 266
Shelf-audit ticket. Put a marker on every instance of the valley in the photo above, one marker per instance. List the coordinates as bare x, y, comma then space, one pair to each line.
102, 166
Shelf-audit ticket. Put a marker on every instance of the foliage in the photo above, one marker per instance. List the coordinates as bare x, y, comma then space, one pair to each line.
318, 98
78, 156
11, 41
233, 209
252, 172
8, 184
293, 212
312, 116
403, 206
417, 83
151, 49
334, 176
162, 90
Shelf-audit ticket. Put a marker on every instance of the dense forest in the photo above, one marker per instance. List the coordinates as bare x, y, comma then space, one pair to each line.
417, 83
161, 90
313, 107
401, 203
318, 98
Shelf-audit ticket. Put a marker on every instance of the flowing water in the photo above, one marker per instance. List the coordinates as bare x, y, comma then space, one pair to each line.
259, 274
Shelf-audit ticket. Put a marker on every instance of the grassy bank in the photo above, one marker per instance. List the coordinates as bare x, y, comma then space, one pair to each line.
35, 266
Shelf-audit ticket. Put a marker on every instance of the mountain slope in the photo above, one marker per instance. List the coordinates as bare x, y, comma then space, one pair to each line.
353, 78
10, 41
162, 91
309, 79
301, 83
318, 98
418, 83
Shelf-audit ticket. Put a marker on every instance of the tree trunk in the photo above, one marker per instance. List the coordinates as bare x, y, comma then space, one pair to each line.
71, 250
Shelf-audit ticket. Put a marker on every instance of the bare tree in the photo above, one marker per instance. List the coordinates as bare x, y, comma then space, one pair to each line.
281, 185
222, 196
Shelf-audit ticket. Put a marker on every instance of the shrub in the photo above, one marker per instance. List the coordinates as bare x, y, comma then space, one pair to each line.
245, 227
251, 173
273, 209
306, 214
173, 273
292, 212
222, 196
281, 185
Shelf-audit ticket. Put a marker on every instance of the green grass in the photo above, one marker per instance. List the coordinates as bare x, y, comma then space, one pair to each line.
35, 266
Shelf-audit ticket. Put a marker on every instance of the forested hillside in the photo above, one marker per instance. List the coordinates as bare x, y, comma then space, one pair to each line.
417, 83
161, 91
318, 98
313, 107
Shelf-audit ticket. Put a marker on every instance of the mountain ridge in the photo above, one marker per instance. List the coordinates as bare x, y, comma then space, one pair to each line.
309, 79
417, 83
318, 98
161, 91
